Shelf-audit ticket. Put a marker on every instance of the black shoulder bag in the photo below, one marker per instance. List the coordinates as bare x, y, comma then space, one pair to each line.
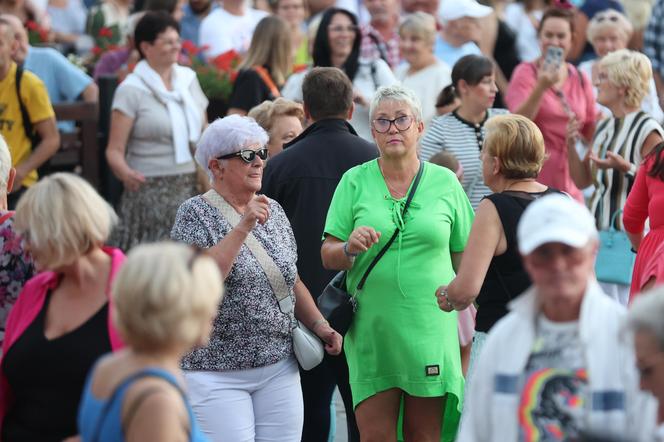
335, 303
27, 124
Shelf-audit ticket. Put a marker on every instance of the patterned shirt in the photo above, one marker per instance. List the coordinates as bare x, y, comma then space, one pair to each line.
374, 46
250, 331
15, 269
653, 38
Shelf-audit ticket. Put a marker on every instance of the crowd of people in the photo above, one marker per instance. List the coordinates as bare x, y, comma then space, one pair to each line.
480, 185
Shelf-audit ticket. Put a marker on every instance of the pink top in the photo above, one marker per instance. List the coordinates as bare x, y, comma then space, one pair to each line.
552, 119
646, 200
27, 307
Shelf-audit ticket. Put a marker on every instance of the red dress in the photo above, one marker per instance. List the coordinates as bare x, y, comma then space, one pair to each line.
646, 200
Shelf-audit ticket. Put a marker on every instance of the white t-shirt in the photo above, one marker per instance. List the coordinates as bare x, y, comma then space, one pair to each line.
527, 43
221, 31
427, 84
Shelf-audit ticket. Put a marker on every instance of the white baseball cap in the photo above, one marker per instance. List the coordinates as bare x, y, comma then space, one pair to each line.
455, 9
555, 218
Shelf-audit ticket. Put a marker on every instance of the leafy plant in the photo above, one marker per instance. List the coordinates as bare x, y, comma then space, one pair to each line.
216, 76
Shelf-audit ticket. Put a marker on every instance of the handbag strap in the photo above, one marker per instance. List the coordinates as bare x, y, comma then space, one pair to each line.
274, 275
396, 231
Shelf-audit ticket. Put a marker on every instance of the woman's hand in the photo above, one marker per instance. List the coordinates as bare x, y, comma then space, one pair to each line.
547, 75
358, 98
332, 340
257, 211
361, 239
443, 302
612, 161
132, 179
573, 131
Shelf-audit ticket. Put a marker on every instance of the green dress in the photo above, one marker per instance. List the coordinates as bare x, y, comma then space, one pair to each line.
399, 337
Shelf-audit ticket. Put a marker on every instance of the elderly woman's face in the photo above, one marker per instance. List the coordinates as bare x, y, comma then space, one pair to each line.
165, 49
560, 272
395, 129
650, 363
240, 175
284, 129
414, 46
608, 40
608, 94
341, 34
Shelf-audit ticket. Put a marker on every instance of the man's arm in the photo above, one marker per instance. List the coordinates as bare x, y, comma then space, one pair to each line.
50, 142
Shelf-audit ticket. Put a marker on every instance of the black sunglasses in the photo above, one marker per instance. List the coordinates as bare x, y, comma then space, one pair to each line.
247, 155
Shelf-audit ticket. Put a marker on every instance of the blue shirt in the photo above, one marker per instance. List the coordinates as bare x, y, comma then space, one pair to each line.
191, 23
64, 81
450, 54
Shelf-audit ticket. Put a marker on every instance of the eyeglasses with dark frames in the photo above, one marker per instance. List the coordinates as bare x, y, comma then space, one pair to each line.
248, 155
600, 18
382, 125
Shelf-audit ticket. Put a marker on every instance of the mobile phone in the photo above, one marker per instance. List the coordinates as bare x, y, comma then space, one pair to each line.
553, 58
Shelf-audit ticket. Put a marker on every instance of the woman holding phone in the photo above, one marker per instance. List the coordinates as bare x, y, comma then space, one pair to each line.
556, 96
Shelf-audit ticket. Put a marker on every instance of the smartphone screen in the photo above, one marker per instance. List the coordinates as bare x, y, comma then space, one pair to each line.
553, 57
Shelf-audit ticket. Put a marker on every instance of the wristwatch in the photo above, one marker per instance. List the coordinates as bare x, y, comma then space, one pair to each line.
347, 253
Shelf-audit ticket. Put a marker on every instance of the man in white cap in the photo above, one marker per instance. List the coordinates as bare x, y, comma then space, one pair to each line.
460, 29
556, 367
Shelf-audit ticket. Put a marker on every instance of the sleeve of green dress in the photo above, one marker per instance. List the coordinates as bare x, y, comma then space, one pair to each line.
463, 219
340, 222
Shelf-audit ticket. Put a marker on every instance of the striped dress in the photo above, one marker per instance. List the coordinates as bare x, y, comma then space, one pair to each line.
463, 139
625, 137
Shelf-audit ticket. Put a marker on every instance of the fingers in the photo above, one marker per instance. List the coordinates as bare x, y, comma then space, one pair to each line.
259, 208
333, 342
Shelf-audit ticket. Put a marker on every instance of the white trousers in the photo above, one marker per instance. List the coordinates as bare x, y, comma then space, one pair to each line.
258, 404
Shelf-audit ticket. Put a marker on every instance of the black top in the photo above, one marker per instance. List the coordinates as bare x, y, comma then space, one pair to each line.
506, 278
303, 179
506, 56
249, 90
47, 377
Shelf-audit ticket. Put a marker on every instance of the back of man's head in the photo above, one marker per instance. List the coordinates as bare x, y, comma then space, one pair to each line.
5, 167
327, 93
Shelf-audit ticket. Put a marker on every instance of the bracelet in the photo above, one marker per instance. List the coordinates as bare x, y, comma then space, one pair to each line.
347, 253
319, 322
447, 300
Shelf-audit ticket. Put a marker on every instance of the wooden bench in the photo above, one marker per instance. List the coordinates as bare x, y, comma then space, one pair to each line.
79, 150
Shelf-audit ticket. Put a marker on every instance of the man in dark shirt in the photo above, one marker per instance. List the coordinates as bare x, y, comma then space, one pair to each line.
303, 179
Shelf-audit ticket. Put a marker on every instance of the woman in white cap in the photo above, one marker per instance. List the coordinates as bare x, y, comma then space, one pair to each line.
556, 367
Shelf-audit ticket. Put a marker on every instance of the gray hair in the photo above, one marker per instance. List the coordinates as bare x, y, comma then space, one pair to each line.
5, 166
609, 19
228, 135
646, 314
420, 23
399, 94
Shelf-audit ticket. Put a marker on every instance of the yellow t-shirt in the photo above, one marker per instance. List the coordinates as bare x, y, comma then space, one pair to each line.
36, 101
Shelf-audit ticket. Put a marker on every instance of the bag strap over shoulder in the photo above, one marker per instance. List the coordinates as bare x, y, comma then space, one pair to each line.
382, 252
6, 216
25, 115
265, 76
274, 275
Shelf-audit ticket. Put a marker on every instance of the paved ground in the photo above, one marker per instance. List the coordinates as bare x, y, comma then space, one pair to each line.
341, 432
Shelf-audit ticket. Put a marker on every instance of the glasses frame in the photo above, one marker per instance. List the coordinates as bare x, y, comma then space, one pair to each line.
410, 118
247, 155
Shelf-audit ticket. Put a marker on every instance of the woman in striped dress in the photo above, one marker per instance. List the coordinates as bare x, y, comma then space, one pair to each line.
620, 143
461, 132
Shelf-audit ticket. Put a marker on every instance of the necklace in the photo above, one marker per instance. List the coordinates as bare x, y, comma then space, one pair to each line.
513, 183
396, 193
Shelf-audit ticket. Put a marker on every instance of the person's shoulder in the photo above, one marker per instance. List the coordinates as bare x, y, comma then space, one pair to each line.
215, 17
257, 14
30, 80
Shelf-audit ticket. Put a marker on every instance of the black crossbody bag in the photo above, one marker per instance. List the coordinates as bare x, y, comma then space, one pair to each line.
335, 303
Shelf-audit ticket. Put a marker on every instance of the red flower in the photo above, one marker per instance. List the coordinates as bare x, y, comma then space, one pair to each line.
106, 32
97, 51
226, 61
31, 25
190, 47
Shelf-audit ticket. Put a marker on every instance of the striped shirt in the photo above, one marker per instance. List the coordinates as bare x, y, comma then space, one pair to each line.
625, 137
463, 139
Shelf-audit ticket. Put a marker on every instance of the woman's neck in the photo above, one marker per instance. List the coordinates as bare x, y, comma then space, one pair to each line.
338, 60
521, 184
424, 62
471, 113
166, 74
168, 358
399, 169
86, 269
620, 110
237, 199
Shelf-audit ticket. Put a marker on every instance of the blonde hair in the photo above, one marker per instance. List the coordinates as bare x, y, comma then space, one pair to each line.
517, 143
5, 166
63, 217
609, 19
421, 24
267, 112
166, 293
271, 46
630, 70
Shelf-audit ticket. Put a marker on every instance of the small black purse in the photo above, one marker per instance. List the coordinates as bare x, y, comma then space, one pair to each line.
335, 303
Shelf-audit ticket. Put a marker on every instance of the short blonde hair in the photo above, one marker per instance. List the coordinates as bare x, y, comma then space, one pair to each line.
267, 112
421, 24
63, 217
609, 19
166, 293
630, 70
517, 143
5, 166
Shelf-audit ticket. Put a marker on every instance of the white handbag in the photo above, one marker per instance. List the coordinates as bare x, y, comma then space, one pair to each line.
307, 347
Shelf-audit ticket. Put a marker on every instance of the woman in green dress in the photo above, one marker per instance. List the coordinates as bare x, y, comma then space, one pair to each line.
401, 348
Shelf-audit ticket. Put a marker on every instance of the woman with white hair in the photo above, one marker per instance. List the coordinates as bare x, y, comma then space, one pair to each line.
610, 31
165, 299
423, 72
61, 322
248, 366
415, 215
620, 143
